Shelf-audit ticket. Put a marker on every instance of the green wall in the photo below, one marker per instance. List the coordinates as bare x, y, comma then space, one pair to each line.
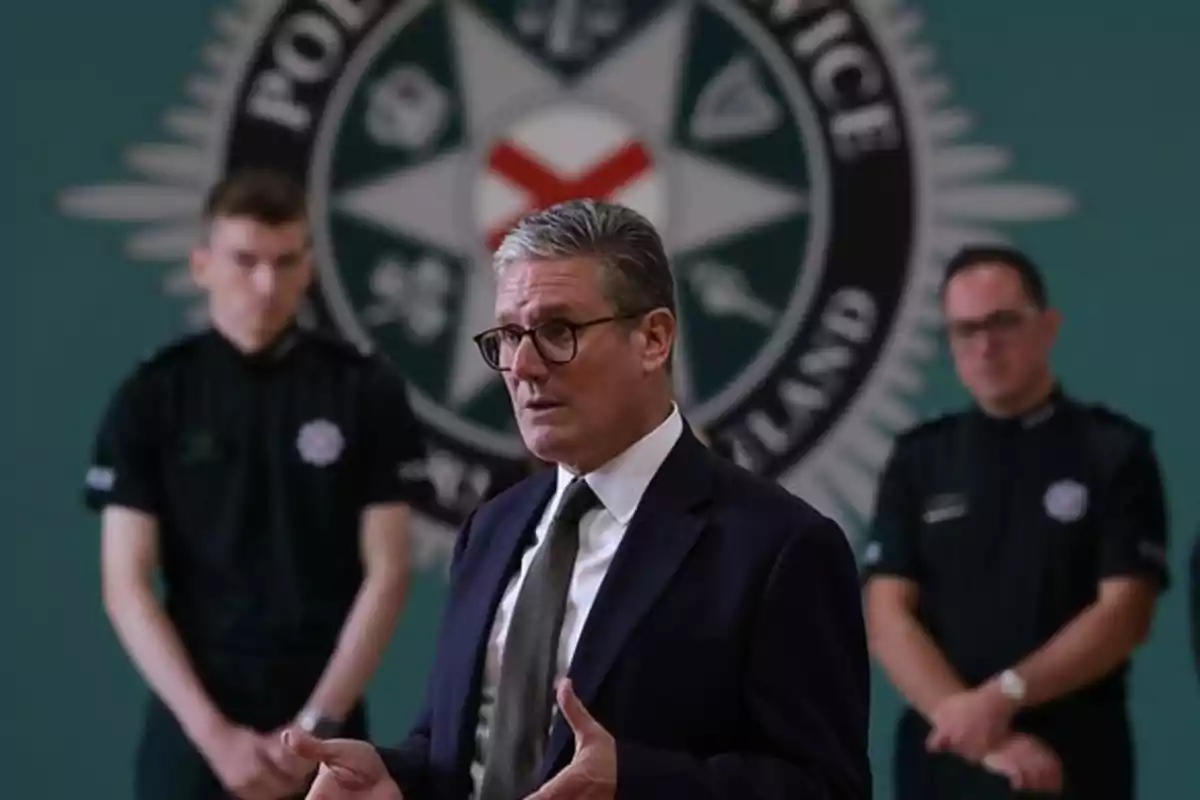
1093, 98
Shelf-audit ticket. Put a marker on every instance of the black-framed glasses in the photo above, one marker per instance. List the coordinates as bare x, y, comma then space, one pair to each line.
556, 340
1000, 324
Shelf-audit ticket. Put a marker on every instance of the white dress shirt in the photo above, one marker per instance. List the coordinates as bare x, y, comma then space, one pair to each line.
619, 485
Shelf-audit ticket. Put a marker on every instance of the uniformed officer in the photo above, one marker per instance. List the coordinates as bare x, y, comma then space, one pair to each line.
1017, 553
258, 467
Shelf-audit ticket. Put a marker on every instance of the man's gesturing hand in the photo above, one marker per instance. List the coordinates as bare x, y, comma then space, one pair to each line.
592, 773
350, 770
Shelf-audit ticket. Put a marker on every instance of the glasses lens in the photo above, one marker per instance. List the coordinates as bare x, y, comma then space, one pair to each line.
489, 348
556, 342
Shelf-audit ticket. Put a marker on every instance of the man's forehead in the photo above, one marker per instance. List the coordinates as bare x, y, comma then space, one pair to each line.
985, 288
546, 289
537, 309
250, 230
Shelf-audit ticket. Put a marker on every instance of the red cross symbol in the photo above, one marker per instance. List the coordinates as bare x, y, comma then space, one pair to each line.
546, 188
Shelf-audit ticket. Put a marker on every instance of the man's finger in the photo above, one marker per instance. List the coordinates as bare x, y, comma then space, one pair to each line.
308, 747
557, 788
581, 722
325, 787
1000, 764
1043, 774
288, 760
336, 754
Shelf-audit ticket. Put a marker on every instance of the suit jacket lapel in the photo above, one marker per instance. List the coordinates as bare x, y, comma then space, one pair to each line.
660, 535
485, 574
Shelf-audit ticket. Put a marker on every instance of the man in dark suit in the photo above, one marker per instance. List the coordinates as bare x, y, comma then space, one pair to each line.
646, 620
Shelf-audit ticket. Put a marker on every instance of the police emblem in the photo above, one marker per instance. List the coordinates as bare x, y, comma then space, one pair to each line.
319, 442
800, 159
1066, 501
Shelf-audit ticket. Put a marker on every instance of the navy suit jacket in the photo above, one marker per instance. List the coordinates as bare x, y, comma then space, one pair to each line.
725, 652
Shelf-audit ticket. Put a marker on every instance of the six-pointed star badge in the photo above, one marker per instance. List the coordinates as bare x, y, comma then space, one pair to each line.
533, 137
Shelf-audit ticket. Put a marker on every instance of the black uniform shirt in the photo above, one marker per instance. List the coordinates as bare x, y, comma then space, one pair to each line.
1008, 526
257, 468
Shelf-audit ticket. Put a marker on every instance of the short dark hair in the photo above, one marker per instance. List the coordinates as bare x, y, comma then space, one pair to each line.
977, 255
265, 195
637, 272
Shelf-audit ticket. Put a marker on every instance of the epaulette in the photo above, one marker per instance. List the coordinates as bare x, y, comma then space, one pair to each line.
1115, 422
170, 353
340, 346
931, 427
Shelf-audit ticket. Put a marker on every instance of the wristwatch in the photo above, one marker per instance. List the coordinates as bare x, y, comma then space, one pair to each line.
314, 723
1012, 686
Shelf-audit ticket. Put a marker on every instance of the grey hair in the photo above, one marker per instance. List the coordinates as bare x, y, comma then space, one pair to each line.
636, 272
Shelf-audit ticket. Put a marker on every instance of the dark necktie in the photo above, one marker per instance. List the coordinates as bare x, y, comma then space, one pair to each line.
524, 698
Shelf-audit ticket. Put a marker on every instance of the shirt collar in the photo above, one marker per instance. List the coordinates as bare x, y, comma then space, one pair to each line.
621, 482
268, 355
1033, 418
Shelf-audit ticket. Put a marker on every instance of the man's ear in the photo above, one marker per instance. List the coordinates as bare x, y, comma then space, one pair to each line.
198, 264
1052, 321
658, 336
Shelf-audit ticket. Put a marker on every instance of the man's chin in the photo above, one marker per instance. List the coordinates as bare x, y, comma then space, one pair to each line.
545, 442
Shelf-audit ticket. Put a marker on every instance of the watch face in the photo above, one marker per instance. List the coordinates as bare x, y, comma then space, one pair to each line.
1012, 685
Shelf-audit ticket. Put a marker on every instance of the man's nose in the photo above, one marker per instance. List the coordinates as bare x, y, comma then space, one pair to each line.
263, 278
527, 362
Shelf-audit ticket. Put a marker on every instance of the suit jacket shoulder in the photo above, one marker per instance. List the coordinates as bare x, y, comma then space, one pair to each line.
511, 501
749, 505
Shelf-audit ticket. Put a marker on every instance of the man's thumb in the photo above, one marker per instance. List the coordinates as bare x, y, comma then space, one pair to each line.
581, 722
337, 755
305, 745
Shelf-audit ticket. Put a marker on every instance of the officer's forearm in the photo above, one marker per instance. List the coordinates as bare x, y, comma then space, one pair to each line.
911, 659
1098, 640
155, 648
361, 645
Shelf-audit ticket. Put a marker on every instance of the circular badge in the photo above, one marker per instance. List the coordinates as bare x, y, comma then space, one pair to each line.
771, 153
1066, 501
798, 160
319, 442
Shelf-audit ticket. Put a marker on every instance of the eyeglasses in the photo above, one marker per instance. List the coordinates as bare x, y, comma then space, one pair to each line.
1000, 324
556, 340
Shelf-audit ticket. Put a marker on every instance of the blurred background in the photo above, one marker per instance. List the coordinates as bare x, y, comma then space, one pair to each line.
1066, 128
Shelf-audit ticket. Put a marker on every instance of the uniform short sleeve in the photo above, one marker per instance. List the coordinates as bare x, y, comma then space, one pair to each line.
394, 449
1132, 518
124, 462
891, 545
